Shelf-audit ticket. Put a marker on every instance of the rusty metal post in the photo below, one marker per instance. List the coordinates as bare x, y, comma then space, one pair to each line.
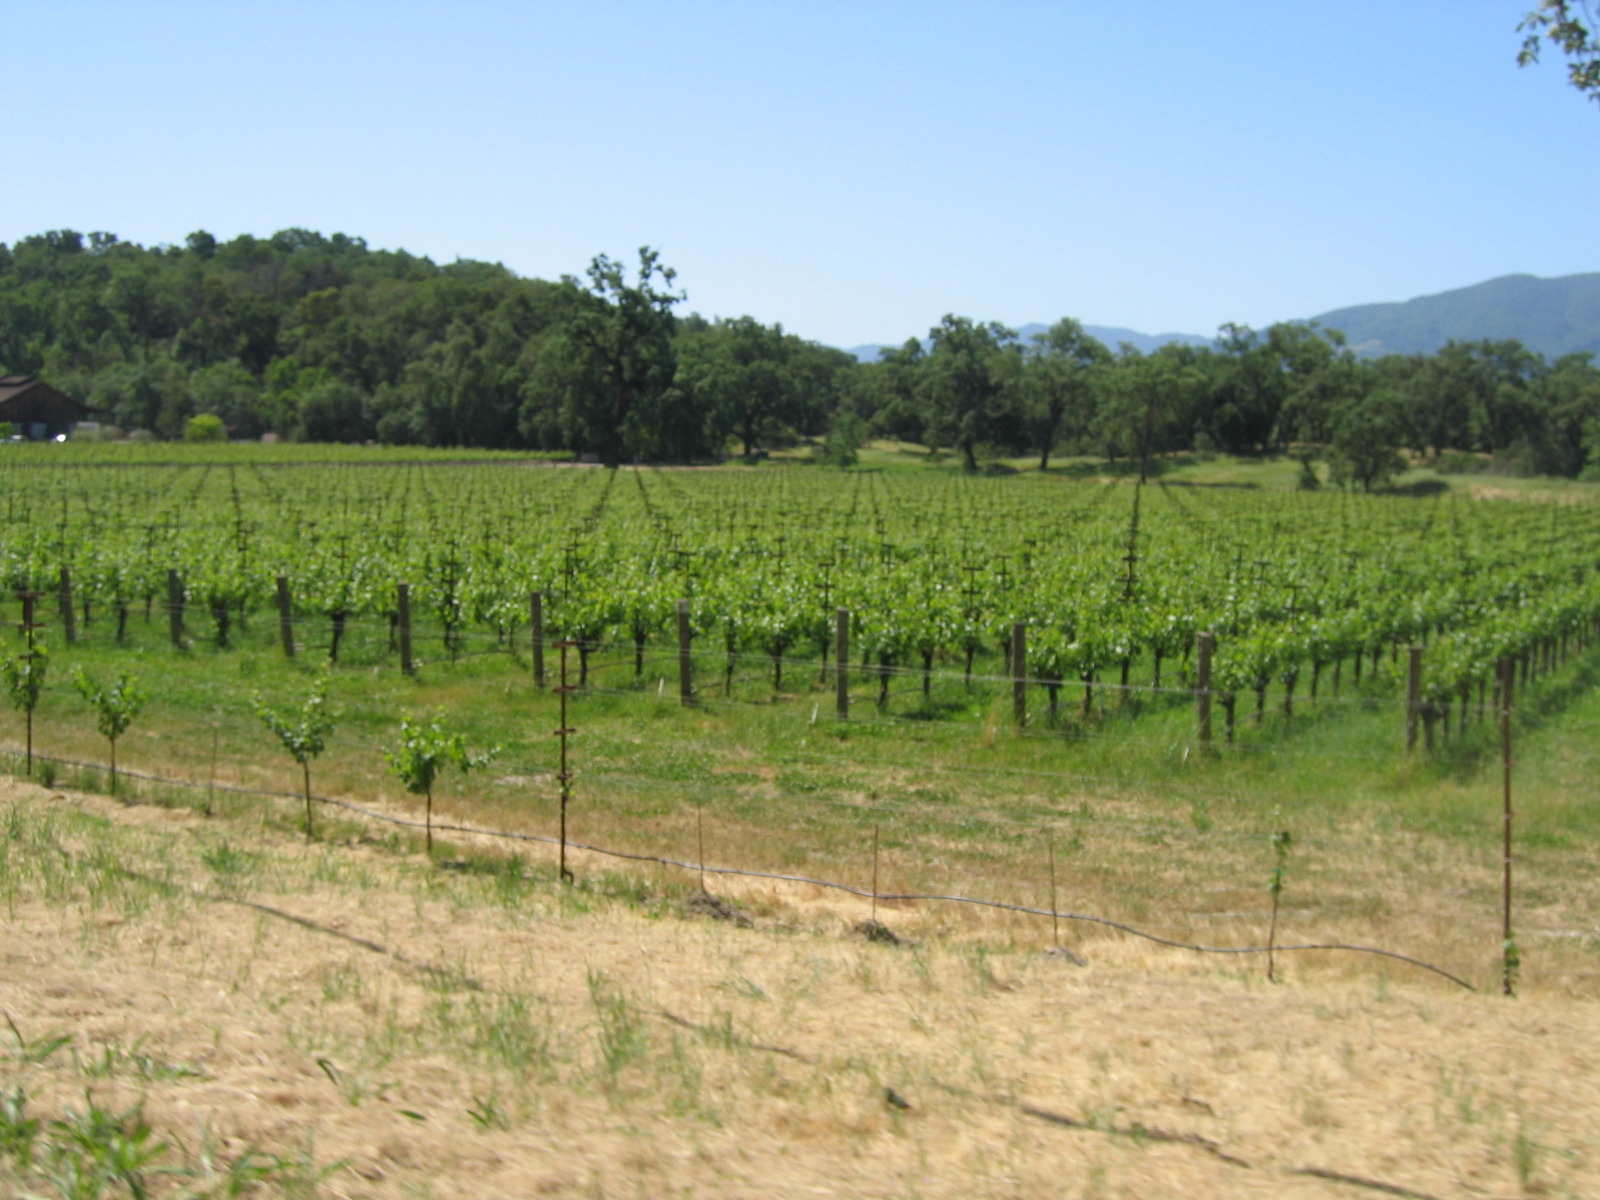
1207, 643
1019, 671
841, 647
565, 776
874, 873
1413, 695
1055, 919
285, 617
1508, 947
402, 609
536, 632
175, 606
69, 627
700, 839
685, 655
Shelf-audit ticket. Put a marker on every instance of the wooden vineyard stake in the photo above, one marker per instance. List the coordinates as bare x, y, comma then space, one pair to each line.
285, 617
1413, 695
536, 632
175, 607
685, 655
841, 634
402, 607
69, 628
1019, 672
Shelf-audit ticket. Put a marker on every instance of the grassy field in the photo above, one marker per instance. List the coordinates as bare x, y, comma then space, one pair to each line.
1271, 472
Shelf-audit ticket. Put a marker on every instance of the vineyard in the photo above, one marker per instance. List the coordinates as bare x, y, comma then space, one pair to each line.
1306, 595
1157, 664
329, 692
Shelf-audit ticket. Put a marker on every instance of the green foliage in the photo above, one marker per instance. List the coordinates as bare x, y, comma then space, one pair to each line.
205, 427
1562, 23
1281, 841
425, 750
322, 339
26, 1051
24, 677
1307, 480
607, 374
969, 382
1367, 434
304, 733
115, 704
842, 448
1065, 369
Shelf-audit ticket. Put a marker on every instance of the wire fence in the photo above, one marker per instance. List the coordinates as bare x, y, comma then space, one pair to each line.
703, 869
612, 656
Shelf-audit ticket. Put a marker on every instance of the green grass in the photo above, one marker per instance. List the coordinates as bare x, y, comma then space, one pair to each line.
1269, 471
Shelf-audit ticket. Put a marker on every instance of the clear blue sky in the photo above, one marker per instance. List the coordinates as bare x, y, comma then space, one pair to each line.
854, 170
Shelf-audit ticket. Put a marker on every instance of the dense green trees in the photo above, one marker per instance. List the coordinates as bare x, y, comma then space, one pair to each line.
324, 339
1064, 369
969, 385
969, 388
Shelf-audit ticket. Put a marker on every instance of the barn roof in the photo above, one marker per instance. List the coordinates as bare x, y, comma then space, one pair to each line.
25, 399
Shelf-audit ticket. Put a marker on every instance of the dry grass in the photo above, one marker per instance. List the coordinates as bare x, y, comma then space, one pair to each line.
478, 1030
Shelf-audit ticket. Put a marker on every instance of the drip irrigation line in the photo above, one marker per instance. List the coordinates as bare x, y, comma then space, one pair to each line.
908, 897
740, 872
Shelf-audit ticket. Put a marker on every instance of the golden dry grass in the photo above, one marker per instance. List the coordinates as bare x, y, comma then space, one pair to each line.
480, 1032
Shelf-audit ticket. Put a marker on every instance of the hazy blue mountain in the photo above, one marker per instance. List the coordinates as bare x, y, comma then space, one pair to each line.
1113, 336
1553, 316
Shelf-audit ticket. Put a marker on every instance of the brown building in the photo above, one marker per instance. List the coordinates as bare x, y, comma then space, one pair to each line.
36, 410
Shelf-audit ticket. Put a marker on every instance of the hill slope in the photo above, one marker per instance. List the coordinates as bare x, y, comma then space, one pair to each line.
1553, 316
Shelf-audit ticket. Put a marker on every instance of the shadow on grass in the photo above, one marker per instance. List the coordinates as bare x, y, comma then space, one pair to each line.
1419, 489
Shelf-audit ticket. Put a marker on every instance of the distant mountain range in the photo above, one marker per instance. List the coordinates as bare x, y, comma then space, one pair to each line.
1112, 335
1552, 316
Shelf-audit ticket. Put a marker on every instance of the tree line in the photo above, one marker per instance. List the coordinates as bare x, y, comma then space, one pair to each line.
324, 339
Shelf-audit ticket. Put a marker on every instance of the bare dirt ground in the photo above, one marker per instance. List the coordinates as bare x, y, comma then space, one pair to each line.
387, 1027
